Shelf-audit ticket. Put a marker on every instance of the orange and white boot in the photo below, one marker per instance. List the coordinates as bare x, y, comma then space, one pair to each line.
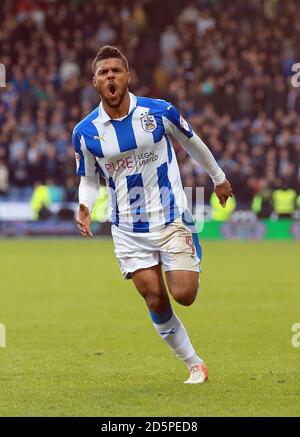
198, 374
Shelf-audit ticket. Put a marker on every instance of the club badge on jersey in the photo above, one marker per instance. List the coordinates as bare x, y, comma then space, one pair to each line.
148, 123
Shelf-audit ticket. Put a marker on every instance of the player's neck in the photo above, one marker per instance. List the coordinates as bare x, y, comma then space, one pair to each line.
119, 111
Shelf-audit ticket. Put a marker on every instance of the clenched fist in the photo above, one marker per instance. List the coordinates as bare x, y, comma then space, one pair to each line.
223, 191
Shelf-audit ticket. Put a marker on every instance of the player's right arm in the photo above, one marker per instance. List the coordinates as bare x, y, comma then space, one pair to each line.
86, 168
87, 193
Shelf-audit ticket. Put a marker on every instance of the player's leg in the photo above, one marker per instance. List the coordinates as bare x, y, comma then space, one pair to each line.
183, 285
147, 276
180, 253
150, 284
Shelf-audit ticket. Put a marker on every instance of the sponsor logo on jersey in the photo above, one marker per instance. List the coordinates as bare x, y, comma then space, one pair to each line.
146, 157
119, 164
148, 123
131, 161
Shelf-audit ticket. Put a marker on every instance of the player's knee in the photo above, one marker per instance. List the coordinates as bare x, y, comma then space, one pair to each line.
154, 302
185, 296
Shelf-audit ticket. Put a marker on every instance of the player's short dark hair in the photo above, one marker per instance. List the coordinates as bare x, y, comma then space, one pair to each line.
108, 52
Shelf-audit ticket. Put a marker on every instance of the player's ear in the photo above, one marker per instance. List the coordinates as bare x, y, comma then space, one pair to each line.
129, 77
94, 81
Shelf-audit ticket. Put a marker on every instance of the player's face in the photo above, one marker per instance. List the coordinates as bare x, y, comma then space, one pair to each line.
111, 81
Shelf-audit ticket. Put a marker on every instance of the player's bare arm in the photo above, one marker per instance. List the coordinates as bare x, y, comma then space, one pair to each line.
223, 191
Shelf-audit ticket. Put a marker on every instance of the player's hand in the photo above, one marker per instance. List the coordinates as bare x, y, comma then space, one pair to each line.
223, 191
84, 221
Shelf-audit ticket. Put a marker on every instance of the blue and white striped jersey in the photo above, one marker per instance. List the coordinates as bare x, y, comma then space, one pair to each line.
137, 159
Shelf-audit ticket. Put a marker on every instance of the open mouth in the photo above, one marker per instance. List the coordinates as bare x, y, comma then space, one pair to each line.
112, 89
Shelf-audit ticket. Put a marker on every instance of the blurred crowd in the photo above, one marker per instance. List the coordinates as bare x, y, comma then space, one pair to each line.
226, 65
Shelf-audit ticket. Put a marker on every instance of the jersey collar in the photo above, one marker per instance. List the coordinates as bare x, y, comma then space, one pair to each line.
104, 117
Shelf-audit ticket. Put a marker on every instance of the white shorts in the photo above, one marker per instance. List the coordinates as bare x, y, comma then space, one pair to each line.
175, 247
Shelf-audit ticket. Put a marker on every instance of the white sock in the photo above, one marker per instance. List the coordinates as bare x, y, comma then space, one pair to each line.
193, 360
175, 335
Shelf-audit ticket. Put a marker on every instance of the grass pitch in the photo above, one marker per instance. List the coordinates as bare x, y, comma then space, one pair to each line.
81, 343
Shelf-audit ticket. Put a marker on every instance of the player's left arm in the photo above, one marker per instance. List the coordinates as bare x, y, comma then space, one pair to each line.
181, 130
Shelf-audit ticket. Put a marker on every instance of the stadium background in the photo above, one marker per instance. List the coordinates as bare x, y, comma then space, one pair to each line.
227, 65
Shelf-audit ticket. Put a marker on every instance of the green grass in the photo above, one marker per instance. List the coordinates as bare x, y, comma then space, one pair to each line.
80, 341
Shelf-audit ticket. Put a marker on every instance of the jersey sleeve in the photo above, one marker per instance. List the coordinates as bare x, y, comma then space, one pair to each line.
181, 130
175, 124
86, 164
